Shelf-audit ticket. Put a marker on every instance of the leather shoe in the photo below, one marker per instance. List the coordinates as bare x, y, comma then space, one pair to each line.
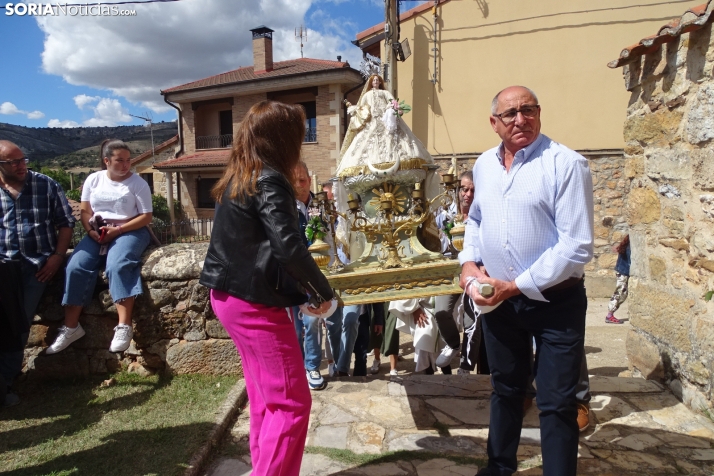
583, 416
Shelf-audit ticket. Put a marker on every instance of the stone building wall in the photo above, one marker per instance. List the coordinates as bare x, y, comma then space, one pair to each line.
610, 188
669, 161
175, 330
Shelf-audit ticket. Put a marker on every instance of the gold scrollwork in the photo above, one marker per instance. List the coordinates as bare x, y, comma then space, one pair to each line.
397, 286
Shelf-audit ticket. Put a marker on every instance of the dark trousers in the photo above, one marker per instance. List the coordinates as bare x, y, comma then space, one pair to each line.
559, 330
470, 354
361, 346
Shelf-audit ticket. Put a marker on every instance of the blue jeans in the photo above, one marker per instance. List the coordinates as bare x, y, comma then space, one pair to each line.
11, 362
123, 268
309, 332
350, 326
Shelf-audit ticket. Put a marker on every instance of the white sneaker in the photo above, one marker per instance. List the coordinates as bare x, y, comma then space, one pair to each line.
463, 372
122, 338
375, 366
446, 356
65, 337
315, 380
393, 372
371, 353
331, 369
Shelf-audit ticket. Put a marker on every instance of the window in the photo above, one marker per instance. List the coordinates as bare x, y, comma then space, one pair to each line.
149, 178
310, 121
203, 192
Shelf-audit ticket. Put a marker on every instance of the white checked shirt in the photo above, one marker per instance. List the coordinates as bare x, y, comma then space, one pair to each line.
533, 224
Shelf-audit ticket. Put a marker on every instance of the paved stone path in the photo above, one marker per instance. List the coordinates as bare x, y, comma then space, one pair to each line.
439, 426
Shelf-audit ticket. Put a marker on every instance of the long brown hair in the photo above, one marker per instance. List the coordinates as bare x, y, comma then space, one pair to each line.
271, 134
371, 78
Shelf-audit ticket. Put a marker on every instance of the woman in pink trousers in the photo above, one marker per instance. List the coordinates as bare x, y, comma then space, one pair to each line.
257, 268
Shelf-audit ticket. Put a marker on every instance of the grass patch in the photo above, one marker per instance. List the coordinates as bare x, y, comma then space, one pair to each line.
144, 426
353, 459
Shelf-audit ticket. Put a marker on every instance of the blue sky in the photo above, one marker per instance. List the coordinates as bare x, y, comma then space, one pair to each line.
97, 70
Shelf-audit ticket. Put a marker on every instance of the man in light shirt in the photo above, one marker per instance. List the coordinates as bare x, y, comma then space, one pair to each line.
530, 235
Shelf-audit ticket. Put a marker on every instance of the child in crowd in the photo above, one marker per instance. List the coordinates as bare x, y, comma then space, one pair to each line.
622, 271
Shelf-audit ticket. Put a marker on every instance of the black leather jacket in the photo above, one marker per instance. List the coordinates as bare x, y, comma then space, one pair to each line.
256, 252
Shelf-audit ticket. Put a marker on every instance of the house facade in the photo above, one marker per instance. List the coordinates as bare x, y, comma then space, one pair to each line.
211, 109
463, 53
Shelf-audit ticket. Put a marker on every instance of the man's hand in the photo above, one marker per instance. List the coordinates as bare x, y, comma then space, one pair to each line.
420, 318
378, 328
49, 269
502, 290
470, 269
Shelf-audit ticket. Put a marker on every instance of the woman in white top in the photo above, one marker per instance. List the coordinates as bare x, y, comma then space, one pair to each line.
116, 208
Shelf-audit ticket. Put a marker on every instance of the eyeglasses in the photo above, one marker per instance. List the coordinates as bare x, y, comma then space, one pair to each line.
510, 115
16, 162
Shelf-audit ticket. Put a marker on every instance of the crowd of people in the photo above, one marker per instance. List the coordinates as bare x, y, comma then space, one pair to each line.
528, 210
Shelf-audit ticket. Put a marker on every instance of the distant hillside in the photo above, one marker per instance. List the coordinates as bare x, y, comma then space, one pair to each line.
77, 146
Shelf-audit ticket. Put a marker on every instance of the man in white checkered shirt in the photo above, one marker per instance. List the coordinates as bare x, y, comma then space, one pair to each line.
530, 235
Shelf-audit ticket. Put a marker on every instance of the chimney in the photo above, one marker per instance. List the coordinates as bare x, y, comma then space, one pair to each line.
262, 49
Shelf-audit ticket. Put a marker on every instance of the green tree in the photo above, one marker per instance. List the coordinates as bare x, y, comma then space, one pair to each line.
161, 209
60, 176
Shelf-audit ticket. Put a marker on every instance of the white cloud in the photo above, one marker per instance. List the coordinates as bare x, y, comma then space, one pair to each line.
82, 100
9, 108
107, 112
62, 124
135, 57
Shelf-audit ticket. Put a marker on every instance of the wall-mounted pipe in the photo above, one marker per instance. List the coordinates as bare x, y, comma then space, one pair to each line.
180, 126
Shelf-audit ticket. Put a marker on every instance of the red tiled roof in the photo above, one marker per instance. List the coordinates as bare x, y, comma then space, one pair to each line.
379, 27
280, 68
157, 149
206, 158
693, 19
76, 210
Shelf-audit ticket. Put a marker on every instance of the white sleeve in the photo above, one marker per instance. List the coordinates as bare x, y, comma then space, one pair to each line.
89, 185
143, 197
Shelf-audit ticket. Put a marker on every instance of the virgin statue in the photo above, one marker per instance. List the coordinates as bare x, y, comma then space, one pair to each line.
378, 145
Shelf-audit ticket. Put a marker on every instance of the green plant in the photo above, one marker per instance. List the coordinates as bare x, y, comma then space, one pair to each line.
315, 229
161, 209
708, 296
58, 175
75, 195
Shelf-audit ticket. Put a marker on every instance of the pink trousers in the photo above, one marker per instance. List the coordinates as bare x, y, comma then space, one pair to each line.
275, 379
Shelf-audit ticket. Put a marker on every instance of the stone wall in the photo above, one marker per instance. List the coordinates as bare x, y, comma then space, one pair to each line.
610, 187
175, 330
669, 161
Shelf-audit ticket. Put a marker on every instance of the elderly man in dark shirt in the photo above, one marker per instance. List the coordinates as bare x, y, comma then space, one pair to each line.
35, 231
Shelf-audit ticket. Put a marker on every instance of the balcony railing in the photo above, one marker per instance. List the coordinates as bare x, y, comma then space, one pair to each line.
214, 142
310, 134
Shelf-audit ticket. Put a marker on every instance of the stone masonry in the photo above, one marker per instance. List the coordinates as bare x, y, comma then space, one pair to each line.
669, 162
175, 329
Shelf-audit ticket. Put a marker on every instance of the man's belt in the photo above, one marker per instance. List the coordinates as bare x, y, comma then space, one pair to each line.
568, 283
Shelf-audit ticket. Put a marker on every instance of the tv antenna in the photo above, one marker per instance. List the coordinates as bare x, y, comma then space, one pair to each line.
300, 34
148, 122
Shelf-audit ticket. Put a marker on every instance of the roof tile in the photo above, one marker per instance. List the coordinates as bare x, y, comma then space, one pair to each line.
205, 158
280, 68
693, 19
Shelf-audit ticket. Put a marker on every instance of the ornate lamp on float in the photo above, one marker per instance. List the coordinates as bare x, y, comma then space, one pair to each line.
401, 256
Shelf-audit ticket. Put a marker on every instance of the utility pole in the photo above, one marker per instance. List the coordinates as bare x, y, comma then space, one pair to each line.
391, 25
300, 35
